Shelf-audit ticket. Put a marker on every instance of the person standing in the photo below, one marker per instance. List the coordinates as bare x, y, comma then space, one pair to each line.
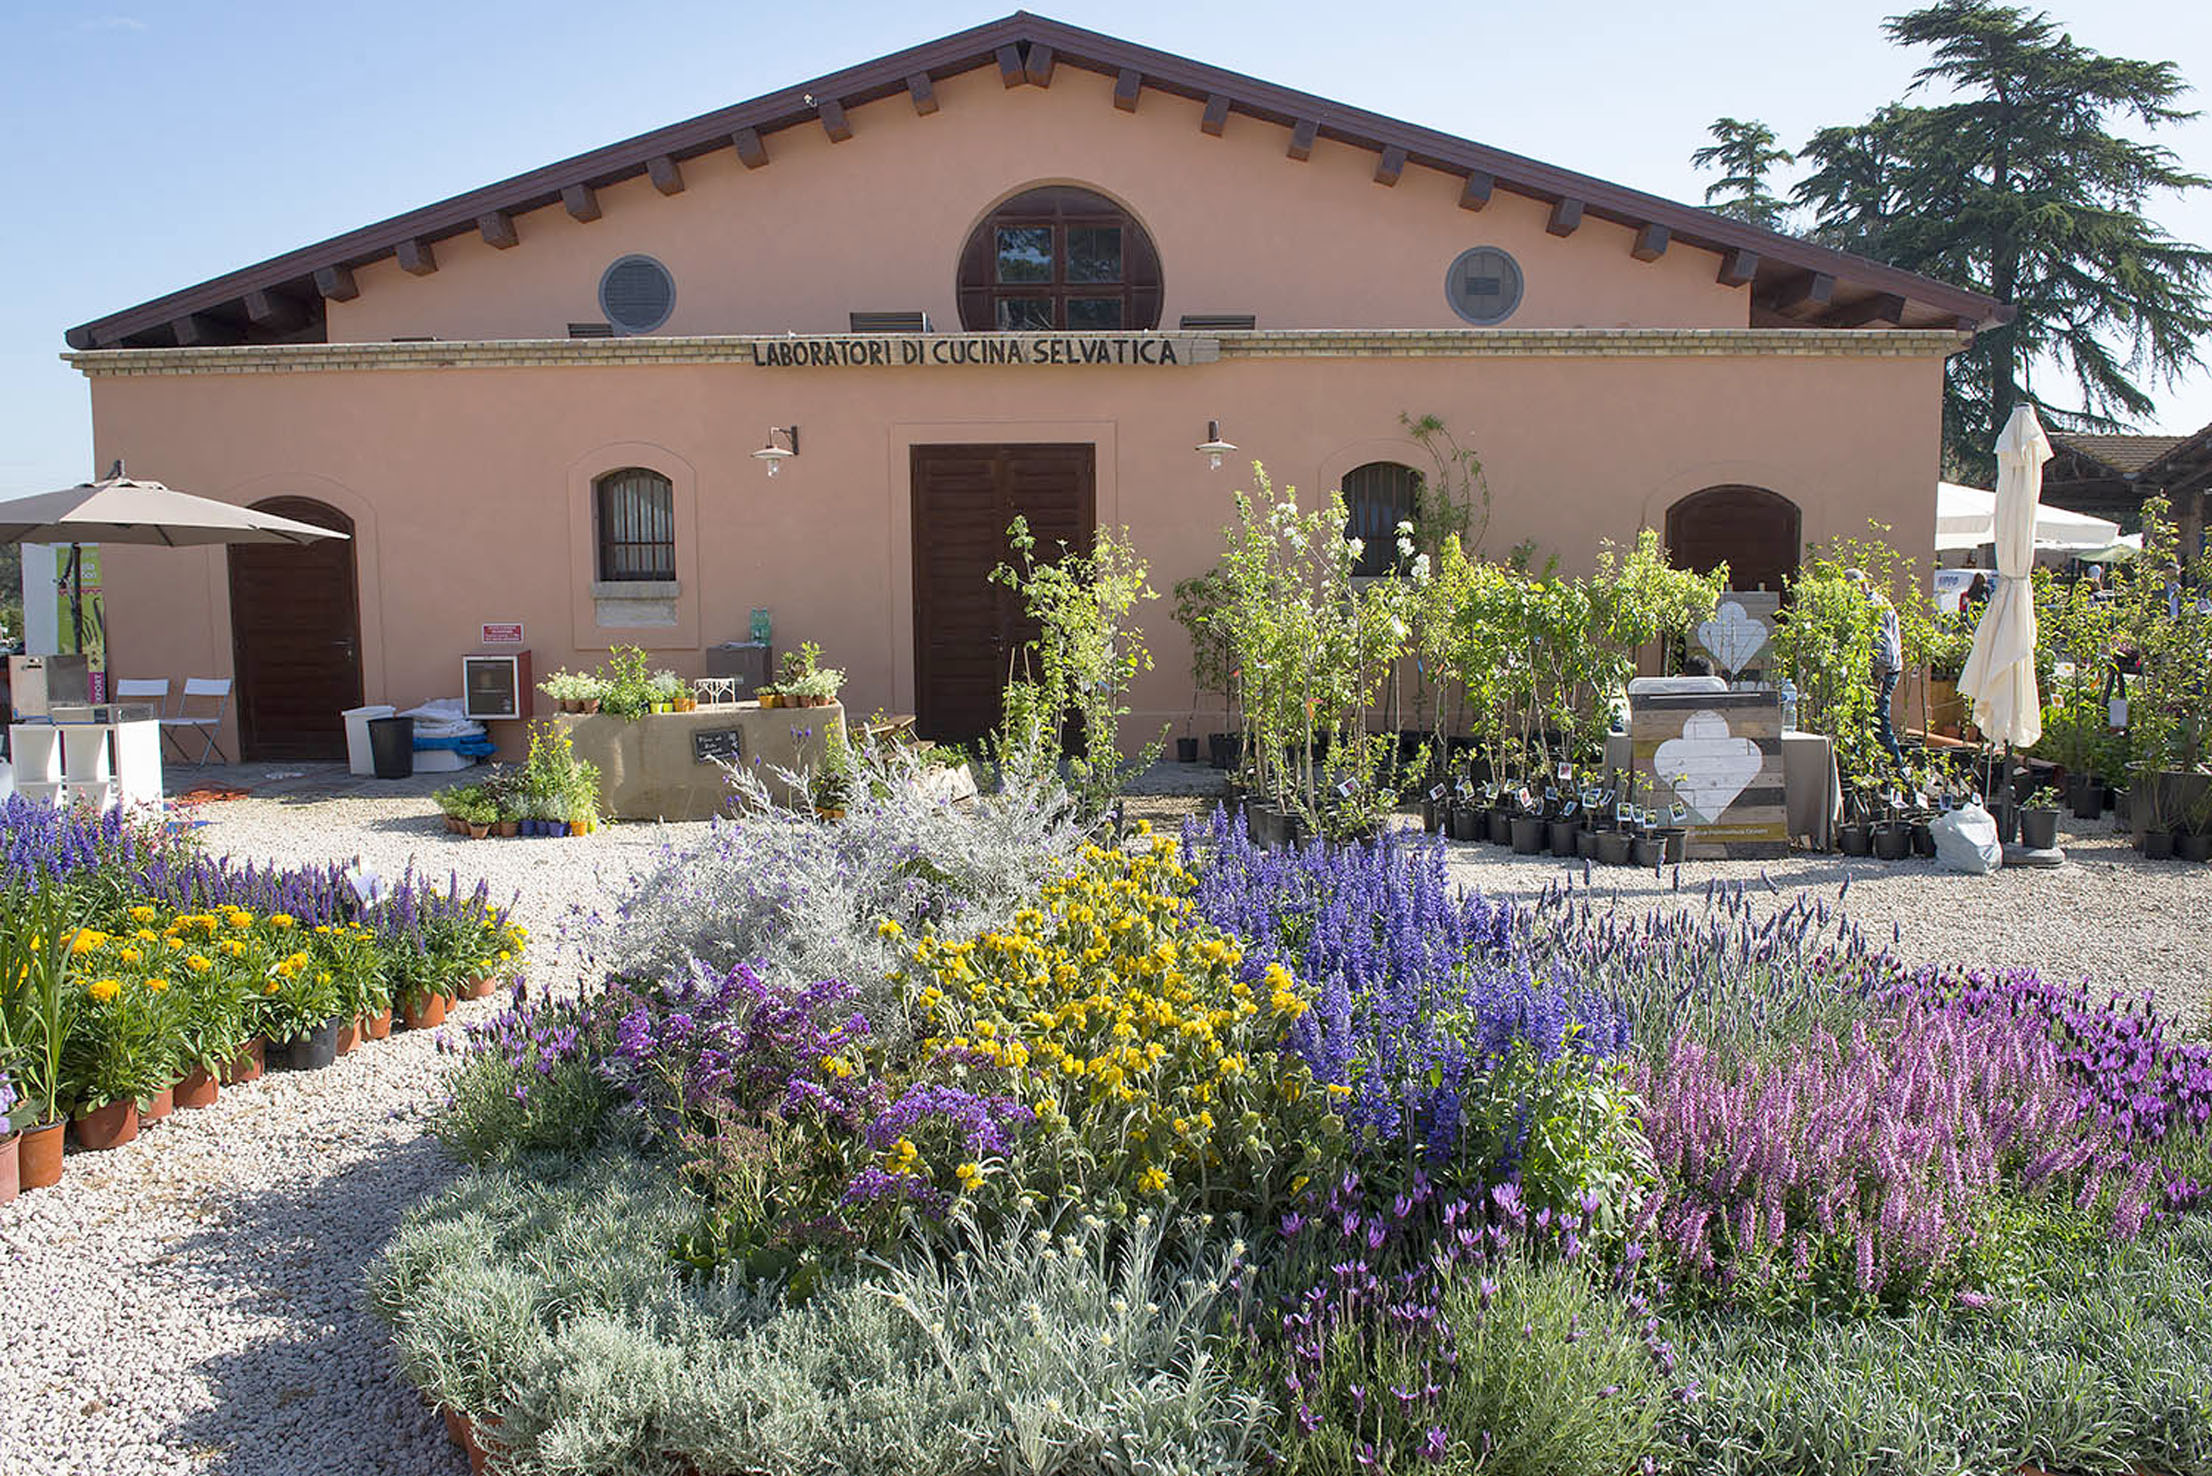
1889, 664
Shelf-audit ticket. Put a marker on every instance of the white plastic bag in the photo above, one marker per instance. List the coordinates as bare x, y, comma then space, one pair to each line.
1966, 840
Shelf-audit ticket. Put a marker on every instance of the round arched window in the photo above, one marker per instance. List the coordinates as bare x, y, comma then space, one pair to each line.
1059, 258
637, 294
1377, 498
1483, 285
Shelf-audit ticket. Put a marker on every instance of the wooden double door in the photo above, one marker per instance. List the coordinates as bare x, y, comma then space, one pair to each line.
295, 620
968, 630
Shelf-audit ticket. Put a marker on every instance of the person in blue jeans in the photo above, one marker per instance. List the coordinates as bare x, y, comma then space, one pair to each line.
1889, 664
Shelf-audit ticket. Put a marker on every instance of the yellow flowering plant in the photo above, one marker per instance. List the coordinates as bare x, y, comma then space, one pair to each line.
121, 1045
1155, 1073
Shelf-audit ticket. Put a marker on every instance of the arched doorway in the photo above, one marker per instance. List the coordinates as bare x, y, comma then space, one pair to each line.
1753, 531
295, 630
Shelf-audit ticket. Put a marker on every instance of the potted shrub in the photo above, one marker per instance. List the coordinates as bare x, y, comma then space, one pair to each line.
35, 1030
805, 681
118, 1054
570, 689
667, 690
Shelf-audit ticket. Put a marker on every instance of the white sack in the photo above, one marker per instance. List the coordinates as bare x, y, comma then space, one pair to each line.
1966, 840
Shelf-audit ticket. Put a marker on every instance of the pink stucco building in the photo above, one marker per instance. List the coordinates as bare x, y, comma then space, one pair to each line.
540, 402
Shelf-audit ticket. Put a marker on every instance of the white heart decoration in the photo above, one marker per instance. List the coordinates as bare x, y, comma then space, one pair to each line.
1732, 637
1707, 766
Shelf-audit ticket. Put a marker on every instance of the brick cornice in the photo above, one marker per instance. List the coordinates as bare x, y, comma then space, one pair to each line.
1398, 343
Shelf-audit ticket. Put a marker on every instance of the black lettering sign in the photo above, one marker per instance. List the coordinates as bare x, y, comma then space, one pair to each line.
983, 349
717, 745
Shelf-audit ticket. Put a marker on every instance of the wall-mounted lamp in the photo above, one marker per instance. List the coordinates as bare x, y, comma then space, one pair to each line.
1214, 447
775, 455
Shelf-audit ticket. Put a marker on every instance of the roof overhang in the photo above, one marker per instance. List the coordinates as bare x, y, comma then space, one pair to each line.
1794, 283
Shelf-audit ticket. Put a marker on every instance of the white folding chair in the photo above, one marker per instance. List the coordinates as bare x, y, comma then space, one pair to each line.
144, 689
206, 689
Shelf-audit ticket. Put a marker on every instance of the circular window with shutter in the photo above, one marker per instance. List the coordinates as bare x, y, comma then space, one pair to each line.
1483, 286
637, 294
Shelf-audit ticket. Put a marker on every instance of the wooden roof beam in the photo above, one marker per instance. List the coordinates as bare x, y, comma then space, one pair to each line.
497, 228
1038, 69
923, 92
277, 312
1566, 217
1128, 85
1302, 136
1011, 72
581, 201
832, 114
1476, 192
1738, 267
416, 258
198, 330
1806, 289
1216, 116
750, 150
1390, 166
336, 283
1651, 241
667, 175
1883, 307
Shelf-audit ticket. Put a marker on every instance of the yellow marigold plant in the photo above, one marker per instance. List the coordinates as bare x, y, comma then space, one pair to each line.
1118, 1017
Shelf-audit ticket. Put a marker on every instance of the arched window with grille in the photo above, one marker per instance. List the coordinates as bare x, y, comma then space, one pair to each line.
635, 509
1056, 258
1377, 498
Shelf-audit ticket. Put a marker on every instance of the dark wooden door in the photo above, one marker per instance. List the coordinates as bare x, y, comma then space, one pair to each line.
1753, 531
295, 621
968, 630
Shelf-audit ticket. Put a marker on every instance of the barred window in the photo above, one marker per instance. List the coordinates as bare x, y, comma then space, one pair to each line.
1377, 498
637, 525
1057, 258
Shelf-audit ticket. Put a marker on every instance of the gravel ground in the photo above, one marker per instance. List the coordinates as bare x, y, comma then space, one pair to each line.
192, 1302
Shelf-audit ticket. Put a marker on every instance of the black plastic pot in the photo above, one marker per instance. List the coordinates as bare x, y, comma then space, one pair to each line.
2158, 845
1186, 750
1892, 842
1650, 850
2039, 828
1855, 838
1529, 834
1678, 843
1500, 827
2193, 845
1222, 749
2085, 796
1923, 838
1586, 844
1432, 816
312, 1051
392, 747
1616, 847
1565, 838
1468, 823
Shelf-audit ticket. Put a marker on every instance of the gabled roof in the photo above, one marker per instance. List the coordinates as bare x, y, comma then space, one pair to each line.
1793, 282
2126, 455
2150, 463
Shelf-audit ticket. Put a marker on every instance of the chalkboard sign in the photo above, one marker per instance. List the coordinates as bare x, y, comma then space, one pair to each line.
717, 745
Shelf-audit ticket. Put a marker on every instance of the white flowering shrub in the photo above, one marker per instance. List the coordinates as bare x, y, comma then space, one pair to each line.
800, 899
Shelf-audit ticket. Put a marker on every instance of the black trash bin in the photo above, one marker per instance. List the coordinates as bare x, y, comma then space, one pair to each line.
392, 746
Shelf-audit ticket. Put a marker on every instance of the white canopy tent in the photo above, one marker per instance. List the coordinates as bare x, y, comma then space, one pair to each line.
1966, 517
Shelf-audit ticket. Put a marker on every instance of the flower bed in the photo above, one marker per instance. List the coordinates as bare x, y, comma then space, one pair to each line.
1130, 1155
135, 969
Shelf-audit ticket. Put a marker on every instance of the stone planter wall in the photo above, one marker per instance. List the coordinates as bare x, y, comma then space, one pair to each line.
649, 767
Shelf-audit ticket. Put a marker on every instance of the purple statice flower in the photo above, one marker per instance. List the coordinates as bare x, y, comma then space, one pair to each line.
984, 1124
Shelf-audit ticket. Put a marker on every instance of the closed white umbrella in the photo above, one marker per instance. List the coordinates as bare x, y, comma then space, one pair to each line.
2000, 670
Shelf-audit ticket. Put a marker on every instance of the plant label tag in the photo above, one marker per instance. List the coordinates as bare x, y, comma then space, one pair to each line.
1345, 789
365, 884
1624, 813
1438, 794
1466, 789
1678, 813
1526, 799
1590, 797
1566, 772
1566, 808
1490, 789
1551, 791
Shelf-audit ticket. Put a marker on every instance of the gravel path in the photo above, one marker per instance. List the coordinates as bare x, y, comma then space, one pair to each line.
192, 1302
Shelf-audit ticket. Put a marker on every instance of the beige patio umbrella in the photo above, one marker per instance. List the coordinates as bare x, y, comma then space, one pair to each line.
2000, 669
119, 509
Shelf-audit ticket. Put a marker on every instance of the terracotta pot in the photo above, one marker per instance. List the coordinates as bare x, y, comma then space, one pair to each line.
348, 1036
198, 1089
378, 1025
771, 699
10, 1179
478, 832
110, 1127
588, 705
251, 1060
159, 1105
423, 1014
38, 1155
479, 987
509, 827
